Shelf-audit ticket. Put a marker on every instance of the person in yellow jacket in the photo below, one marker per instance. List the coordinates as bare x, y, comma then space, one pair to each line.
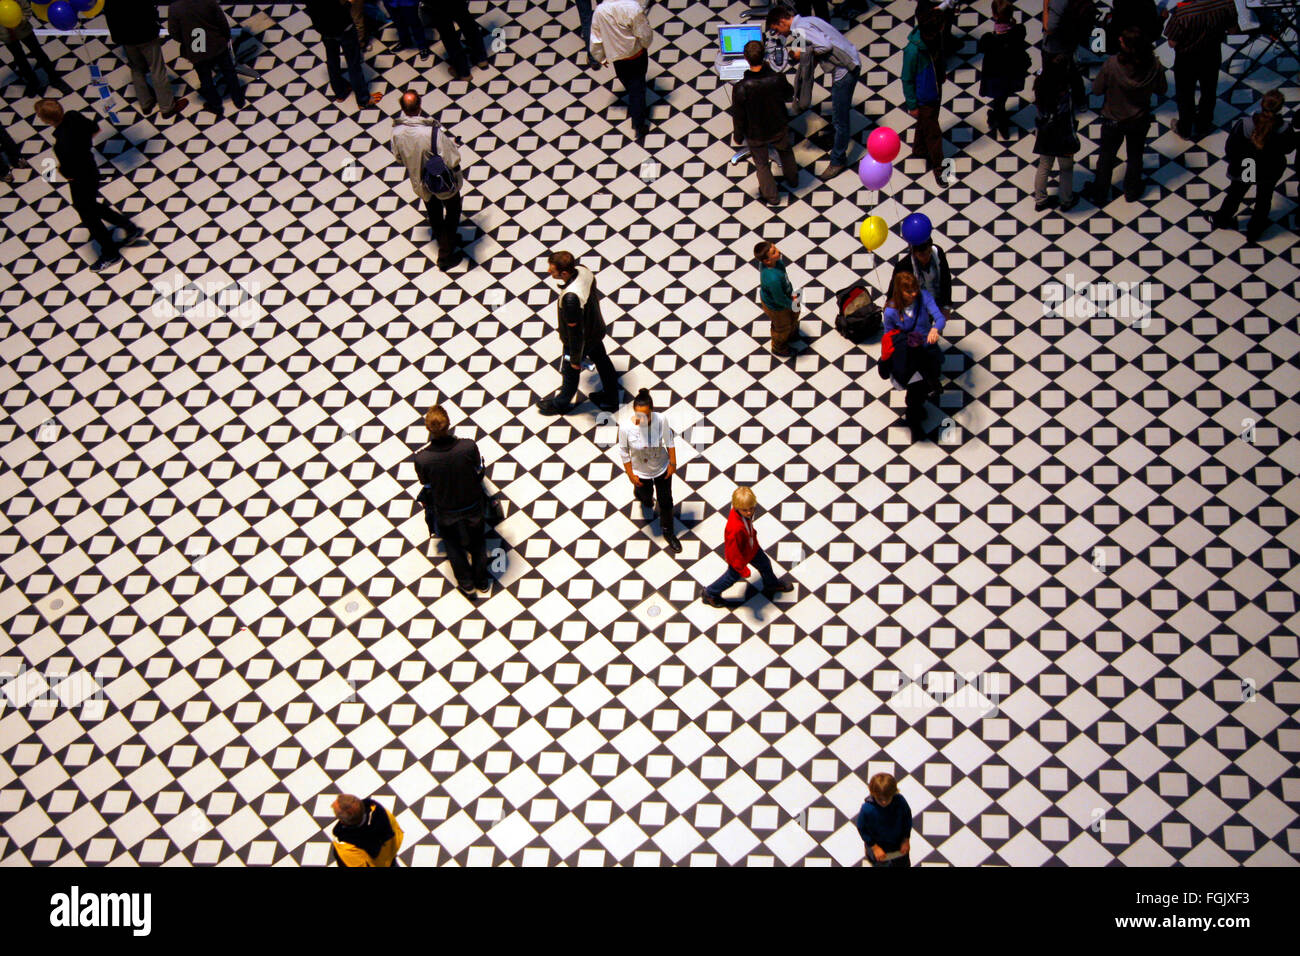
366, 834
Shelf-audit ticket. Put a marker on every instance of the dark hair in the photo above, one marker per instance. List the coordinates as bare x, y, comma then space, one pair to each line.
563, 261
642, 400
776, 15
1134, 49
754, 51
435, 419
1053, 81
1269, 117
1003, 10
762, 250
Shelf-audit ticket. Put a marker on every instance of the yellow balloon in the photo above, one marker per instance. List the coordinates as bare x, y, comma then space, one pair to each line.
10, 14
95, 10
874, 232
42, 11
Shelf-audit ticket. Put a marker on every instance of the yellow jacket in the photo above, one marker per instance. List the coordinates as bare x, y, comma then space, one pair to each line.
350, 855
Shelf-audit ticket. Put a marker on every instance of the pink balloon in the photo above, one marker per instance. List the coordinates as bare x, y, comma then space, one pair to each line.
874, 175
883, 144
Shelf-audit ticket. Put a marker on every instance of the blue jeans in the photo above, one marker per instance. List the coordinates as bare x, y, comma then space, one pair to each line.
348, 47
731, 576
584, 18
841, 100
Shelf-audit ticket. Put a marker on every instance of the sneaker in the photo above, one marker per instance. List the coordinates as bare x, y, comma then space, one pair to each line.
710, 600
548, 405
673, 543
468, 592
132, 234
177, 107
833, 170
484, 588
106, 261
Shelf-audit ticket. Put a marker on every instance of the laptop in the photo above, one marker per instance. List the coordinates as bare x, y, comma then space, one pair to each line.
732, 38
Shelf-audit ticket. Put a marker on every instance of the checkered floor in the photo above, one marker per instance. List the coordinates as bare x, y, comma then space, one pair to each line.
1068, 624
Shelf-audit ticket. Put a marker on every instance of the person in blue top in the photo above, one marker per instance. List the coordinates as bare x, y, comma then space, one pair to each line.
777, 296
914, 320
885, 823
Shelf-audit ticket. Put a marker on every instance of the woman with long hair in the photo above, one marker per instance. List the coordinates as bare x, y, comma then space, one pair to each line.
913, 321
1259, 143
1127, 80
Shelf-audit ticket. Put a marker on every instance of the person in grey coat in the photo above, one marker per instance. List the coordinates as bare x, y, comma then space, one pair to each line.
133, 25
24, 35
412, 144
203, 32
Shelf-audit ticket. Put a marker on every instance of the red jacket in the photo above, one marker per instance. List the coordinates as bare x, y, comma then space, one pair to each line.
742, 542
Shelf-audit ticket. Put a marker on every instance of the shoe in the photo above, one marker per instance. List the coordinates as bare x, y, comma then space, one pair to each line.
832, 171
1255, 232
604, 401
918, 431
177, 107
1051, 202
548, 405
782, 587
776, 203
340, 97
372, 100
107, 261
1065, 205
710, 600
640, 136
484, 588
468, 592
1133, 195
132, 234
451, 261
8, 177
783, 353
1183, 130
1006, 133
424, 54
673, 543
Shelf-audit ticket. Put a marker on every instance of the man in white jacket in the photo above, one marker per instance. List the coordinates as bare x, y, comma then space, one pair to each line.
621, 35
412, 144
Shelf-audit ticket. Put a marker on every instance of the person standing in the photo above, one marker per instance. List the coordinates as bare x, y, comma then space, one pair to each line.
134, 26
777, 297
1261, 139
835, 54
885, 823
1005, 67
1058, 92
621, 34
582, 334
923, 92
741, 549
451, 18
584, 21
333, 21
1127, 81
410, 28
24, 35
760, 121
203, 33
74, 148
1196, 30
414, 135
451, 471
912, 323
930, 267
10, 155
366, 834
647, 445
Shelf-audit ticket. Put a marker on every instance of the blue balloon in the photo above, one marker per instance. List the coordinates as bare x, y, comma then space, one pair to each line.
916, 228
81, 6
61, 15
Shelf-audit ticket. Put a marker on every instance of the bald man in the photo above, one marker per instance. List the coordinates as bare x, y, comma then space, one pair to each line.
366, 834
414, 135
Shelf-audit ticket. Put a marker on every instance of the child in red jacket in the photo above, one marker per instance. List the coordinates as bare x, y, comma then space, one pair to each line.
741, 550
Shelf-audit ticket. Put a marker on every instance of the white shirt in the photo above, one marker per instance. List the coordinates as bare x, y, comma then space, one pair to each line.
619, 29
646, 446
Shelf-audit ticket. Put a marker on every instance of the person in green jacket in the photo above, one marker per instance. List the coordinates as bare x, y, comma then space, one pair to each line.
777, 296
922, 82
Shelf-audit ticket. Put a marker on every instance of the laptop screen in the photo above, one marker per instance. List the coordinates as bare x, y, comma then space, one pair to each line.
732, 39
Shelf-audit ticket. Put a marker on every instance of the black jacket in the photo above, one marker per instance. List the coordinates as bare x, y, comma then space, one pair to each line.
1056, 122
331, 18
74, 148
758, 104
132, 21
452, 468
185, 17
579, 318
943, 297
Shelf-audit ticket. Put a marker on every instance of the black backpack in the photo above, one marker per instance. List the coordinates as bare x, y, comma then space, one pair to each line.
437, 175
859, 317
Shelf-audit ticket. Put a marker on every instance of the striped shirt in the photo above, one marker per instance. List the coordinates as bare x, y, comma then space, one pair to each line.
1198, 24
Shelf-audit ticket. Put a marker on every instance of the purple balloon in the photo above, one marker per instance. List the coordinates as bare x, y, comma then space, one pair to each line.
61, 15
874, 174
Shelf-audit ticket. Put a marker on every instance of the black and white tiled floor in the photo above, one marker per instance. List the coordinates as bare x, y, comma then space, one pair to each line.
1068, 626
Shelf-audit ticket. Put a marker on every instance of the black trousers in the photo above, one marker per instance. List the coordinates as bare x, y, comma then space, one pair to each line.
207, 71
632, 74
1266, 177
10, 154
95, 212
466, 549
661, 488
451, 18
908, 360
24, 66
1133, 134
444, 220
1198, 70
569, 376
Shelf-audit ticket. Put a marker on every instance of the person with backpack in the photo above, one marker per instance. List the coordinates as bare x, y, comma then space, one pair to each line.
1127, 81
451, 472
1196, 30
922, 88
432, 162
1263, 141
582, 337
1005, 67
1058, 91
1068, 24
913, 321
777, 297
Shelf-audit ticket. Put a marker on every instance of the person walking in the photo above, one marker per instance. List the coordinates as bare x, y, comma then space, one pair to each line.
333, 21
1058, 93
452, 20
779, 301
885, 823
134, 26
621, 34
1196, 30
1127, 81
24, 35
761, 123
831, 50
582, 334
923, 92
647, 445
1263, 142
741, 549
366, 834
450, 470
203, 33
1005, 67
413, 140
74, 149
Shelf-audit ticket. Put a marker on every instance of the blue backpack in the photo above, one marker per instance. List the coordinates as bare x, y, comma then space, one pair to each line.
437, 176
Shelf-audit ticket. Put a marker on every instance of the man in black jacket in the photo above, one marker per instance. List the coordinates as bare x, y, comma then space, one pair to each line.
761, 122
930, 266
582, 332
74, 148
333, 21
134, 25
451, 471
203, 32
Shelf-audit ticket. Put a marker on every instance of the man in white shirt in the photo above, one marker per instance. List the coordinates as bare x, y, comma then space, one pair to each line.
621, 34
647, 446
412, 144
